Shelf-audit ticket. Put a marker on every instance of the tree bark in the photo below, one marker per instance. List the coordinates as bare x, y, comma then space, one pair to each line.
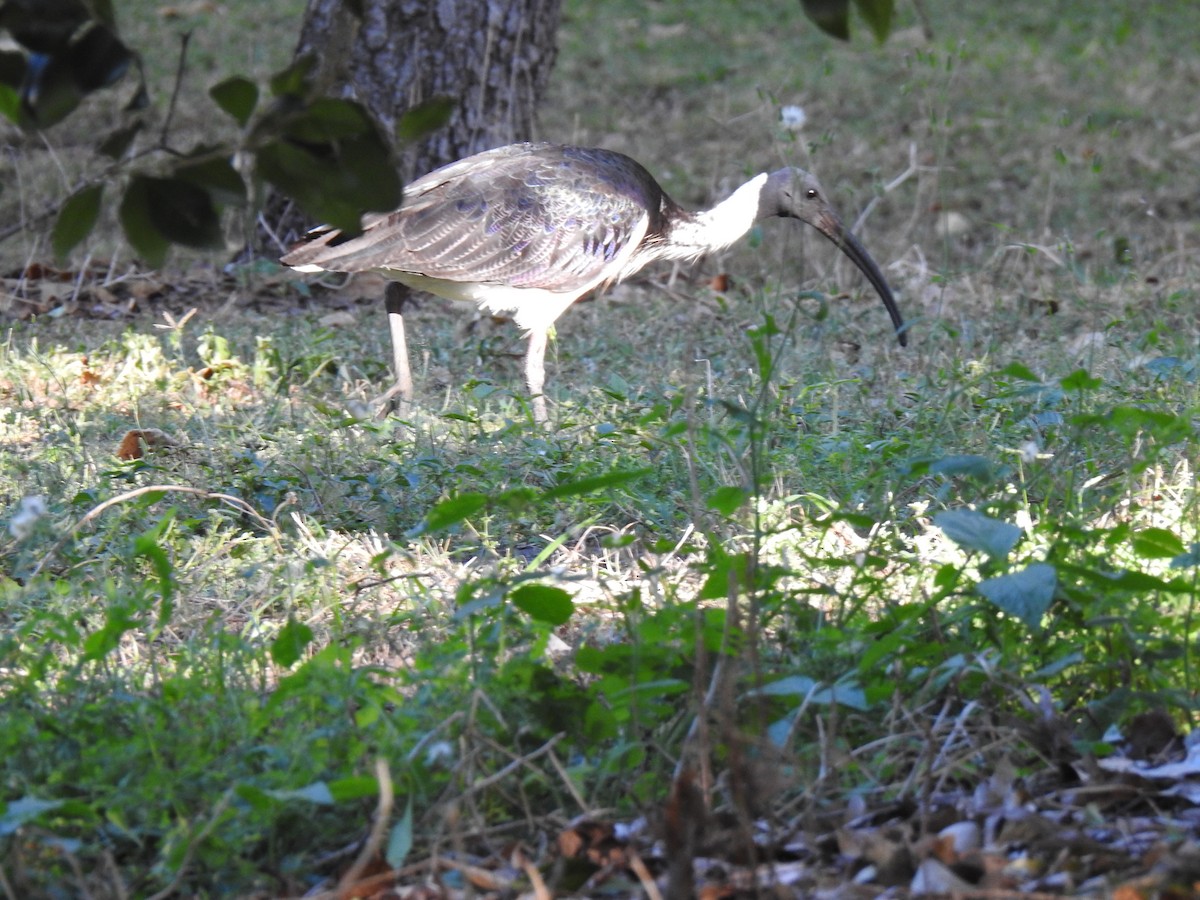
490, 58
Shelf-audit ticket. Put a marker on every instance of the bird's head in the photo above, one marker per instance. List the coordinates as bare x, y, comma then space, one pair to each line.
795, 194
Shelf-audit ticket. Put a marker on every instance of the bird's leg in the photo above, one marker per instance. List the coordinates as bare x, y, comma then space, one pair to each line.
535, 372
395, 297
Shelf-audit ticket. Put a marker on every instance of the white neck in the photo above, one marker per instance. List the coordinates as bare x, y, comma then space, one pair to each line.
719, 227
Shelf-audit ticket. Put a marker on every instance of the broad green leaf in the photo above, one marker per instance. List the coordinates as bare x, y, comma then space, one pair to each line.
255, 797
294, 79
103, 641
147, 241
1187, 560
22, 811
237, 96
878, 16
831, 16
289, 644
1020, 372
10, 104
726, 574
1080, 380
424, 118
50, 94
76, 219
1157, 543
117, 141
727, 500
400, 840
183, 213
347, 178
974, 531
318, 792
1025, 595
353, 788
850, 695
789, 686
216, 176
595, 483
452, 511
962, 464
543, 602
330, 119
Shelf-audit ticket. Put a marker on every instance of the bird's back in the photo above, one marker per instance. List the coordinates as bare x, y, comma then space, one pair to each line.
535, 216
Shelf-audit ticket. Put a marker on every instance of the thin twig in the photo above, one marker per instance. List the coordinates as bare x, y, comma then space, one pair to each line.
512, 767
184, 40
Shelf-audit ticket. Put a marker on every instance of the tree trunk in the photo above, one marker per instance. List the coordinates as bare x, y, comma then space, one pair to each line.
491, 58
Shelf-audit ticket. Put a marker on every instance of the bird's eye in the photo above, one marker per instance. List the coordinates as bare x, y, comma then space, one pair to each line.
811, 194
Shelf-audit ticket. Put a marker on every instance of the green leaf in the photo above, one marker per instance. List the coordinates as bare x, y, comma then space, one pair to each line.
103, 641
727, 500
400, 840
878, 15
217, 176
118, 140
789, 686
543, 602
726, 573
147, 241
294, 79
1020, 372
1025, 595
1187, 560
289, 644
184, 213
1157, 543
424, 118
10, 104
22, 811
237, 96
962, 464
451, 512
318, 792
334, 183
76, 219
353, 788
975, 531
831, 16
595, 483
1080, 380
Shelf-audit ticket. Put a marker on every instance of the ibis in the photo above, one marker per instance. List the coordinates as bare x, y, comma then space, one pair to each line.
527, 229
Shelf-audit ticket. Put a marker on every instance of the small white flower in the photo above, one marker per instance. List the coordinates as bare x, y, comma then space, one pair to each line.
22, 522
1029, 452
793, 117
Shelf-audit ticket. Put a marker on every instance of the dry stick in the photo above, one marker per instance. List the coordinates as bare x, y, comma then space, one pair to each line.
184, 40
383, 815
512, 767
6, 886
912, 169
649, 885
236, 502
566, 778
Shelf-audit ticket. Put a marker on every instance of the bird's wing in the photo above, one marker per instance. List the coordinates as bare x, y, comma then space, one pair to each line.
536, 216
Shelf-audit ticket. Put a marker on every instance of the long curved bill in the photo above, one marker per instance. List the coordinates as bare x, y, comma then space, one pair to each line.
833, 229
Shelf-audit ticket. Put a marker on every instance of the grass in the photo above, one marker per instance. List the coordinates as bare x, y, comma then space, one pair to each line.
197, 680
